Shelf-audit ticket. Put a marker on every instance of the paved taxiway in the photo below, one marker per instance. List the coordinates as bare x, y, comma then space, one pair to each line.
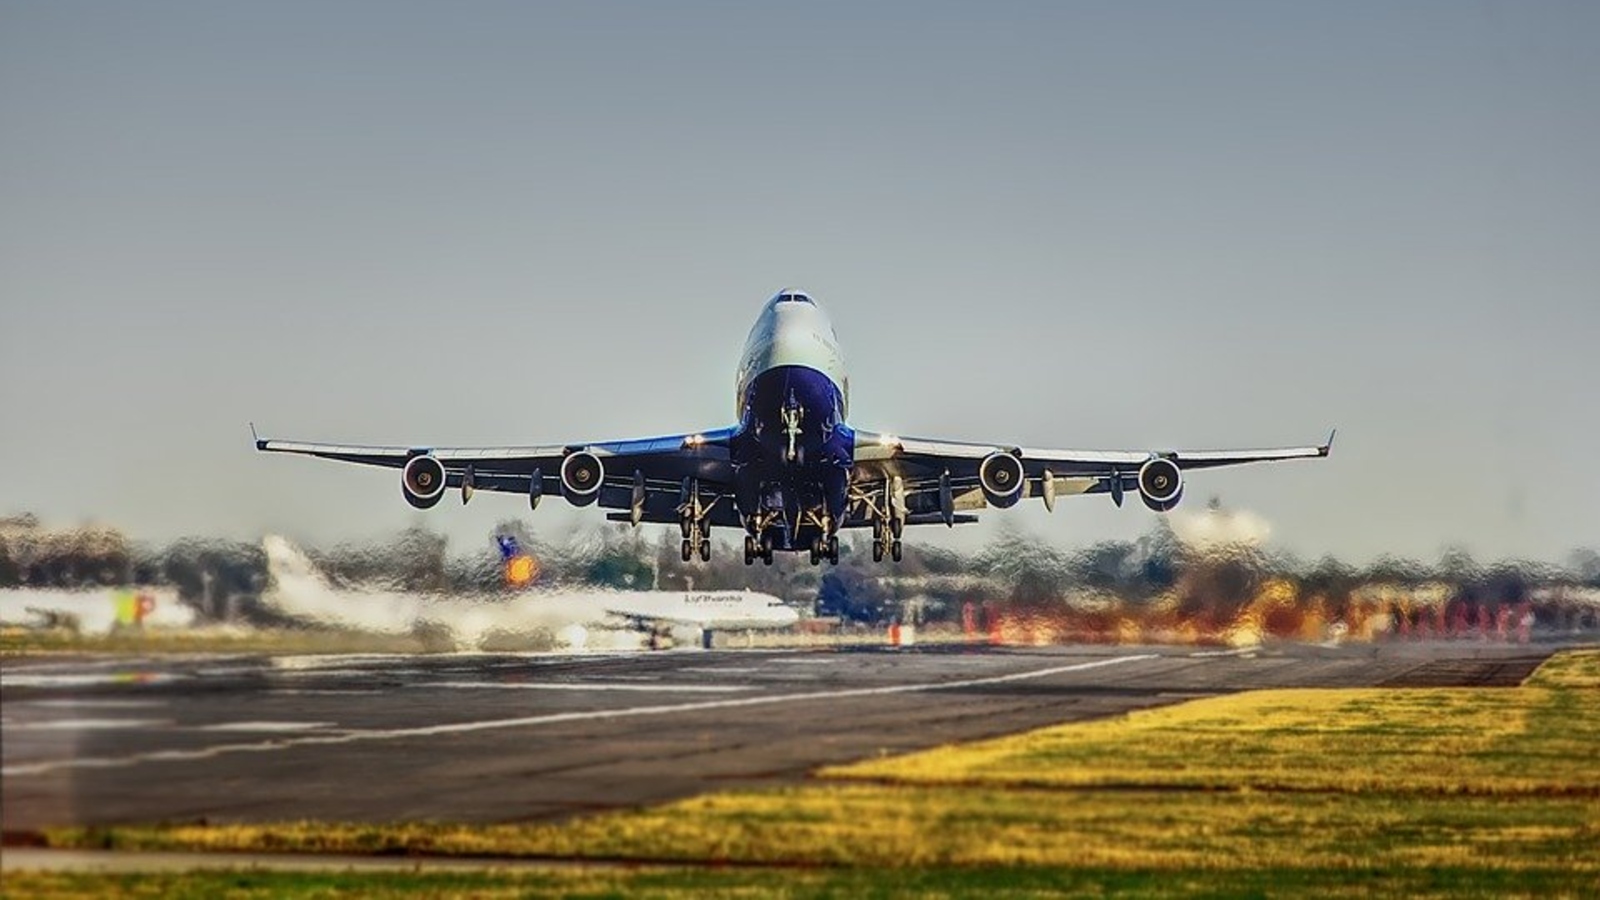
517, 737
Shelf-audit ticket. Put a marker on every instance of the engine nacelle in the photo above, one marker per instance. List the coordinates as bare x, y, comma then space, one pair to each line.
1002, 478
422, 481
1160, 484
582, 474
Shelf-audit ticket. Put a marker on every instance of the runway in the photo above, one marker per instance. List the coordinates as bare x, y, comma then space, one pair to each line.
505, 737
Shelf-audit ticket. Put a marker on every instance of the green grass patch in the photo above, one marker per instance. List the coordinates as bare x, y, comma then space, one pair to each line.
908, 826
996, 883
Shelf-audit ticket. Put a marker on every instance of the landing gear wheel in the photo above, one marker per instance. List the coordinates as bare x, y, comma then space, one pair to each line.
816, 551
749, 550
705, 550
766, 552
896, 526
896, 549
686, 550
877, 528
685, 526
877, 550
833, 549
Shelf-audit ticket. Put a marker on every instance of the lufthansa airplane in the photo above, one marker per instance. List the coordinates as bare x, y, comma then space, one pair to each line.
790, 472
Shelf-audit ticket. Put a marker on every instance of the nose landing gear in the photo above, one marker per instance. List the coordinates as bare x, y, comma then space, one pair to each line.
791, 415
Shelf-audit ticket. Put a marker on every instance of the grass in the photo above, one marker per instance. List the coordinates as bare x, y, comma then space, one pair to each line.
1447, 792
1536, 739
995, 883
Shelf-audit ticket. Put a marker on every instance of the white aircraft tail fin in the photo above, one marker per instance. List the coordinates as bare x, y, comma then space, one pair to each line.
287, 565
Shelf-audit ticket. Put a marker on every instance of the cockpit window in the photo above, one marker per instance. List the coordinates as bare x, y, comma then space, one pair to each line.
792, 297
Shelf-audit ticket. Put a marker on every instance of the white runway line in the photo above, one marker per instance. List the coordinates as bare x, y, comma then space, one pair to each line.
91, 703
85, 724
1241, 651
351, 737
652, 688
318, 692
265, 726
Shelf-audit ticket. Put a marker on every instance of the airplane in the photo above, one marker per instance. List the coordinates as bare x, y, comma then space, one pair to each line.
790, 472
297, 588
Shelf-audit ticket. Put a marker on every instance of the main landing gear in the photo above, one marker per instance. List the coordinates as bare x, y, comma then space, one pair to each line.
825, 549
886, 539
696, 542
694, 522
754, 550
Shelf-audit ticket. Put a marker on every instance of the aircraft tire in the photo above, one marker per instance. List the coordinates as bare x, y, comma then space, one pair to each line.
705, 550
877, 551
686, 550
896, 550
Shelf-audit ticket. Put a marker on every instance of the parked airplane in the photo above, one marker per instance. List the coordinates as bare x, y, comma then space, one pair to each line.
790, 473
296, 588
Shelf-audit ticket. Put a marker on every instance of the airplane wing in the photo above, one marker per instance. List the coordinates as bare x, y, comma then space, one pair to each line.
655, 471
939, 478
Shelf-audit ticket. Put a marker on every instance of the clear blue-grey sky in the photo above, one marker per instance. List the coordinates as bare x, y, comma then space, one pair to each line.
1055, 224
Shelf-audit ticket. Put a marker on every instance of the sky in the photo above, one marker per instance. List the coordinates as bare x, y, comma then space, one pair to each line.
1083, 225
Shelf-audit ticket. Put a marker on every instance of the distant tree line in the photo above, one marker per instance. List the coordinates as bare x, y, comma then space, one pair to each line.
1012, 571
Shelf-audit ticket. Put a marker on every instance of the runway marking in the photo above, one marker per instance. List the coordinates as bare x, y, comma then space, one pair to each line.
92, 703
84, 724
391, 734
319, 692
333, 660
1240, 651
590, 686
264, 726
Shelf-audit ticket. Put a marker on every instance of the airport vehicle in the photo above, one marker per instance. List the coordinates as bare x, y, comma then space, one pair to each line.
790, 472
298, 589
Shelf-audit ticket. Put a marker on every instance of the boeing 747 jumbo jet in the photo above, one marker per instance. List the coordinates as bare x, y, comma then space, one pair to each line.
790, 472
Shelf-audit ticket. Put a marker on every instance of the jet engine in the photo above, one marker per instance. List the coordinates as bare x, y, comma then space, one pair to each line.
1160, 484
582, 474
1002, 478
422, 481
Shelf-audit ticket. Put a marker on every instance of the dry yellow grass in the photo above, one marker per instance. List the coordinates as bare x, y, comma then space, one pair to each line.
1539, 738
1375, 780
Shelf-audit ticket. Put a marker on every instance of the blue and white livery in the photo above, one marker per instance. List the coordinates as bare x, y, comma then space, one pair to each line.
790, 472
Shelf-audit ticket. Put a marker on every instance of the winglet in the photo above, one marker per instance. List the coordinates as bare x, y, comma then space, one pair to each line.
260, 444
1327, 446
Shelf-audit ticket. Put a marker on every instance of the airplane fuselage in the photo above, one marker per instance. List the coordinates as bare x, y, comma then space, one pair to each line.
793, 452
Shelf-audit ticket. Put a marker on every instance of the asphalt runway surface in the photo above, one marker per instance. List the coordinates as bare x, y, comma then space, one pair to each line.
508, 737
